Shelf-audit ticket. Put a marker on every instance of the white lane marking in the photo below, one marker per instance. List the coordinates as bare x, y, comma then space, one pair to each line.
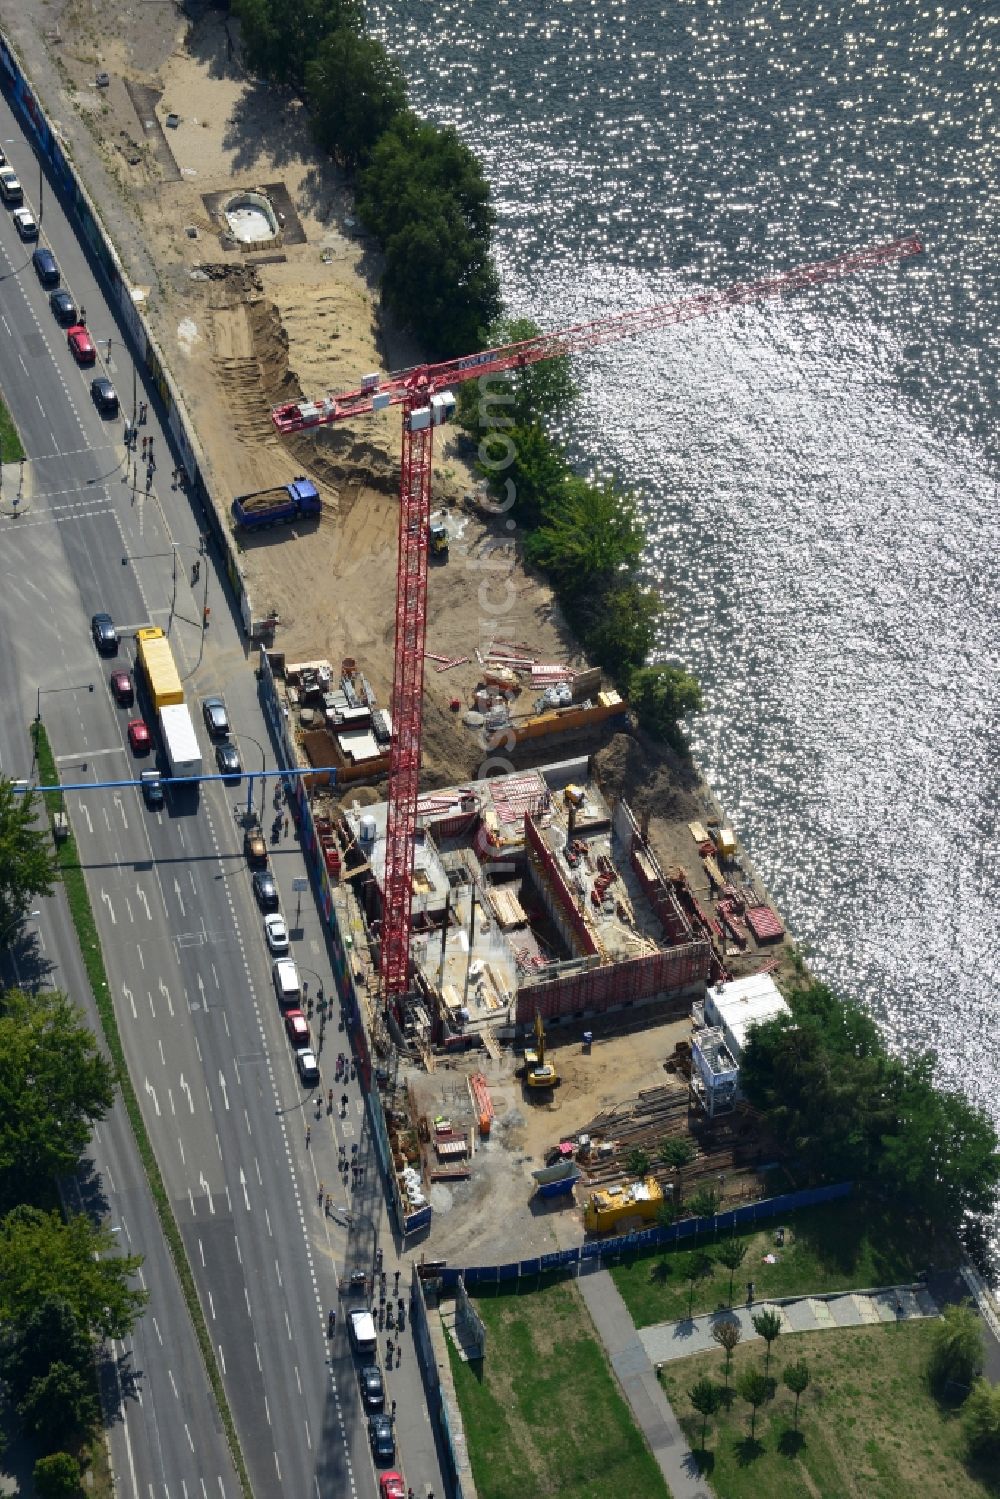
128, 995
128, 904
180, 1142
86, 812
225, 1090
185, 1087
111, 910
173, 1106
203, 1184
180, 898
211, 1306
140, 892
166, 995
152, 1093
222, 1356
246, 1194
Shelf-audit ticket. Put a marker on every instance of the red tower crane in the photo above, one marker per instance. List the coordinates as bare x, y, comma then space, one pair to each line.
424, 393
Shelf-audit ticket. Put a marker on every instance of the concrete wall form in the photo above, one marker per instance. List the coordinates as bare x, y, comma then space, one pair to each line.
670, 975
556, 895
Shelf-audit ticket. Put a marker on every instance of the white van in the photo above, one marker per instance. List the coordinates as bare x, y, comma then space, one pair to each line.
10, 187
286, 984
362, 1325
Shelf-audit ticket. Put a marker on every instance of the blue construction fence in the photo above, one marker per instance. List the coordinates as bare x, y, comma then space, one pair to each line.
646, 1238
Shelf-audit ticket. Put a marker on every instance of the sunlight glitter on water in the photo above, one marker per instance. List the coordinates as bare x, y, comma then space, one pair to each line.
818, 477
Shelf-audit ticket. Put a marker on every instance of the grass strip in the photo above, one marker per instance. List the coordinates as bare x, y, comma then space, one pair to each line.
93, 960
11, 447
867, 1422
543, 1415
851, 1245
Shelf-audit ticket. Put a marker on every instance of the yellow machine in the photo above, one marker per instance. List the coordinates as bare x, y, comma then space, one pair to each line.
439, 538
604, 1210
537, 1072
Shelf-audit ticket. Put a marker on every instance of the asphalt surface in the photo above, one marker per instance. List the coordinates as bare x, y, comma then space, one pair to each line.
182, 938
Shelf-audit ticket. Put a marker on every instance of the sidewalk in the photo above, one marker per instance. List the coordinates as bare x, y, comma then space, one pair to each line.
643, 1391
665, 1341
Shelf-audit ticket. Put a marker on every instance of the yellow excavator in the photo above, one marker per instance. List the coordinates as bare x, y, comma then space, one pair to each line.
537, 1072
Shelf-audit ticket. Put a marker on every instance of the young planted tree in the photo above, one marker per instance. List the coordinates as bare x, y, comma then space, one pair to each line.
731, 1254
796, 1377
704, 1203
754, 1389
637, 1161
694, 1266
768, 1325
727, 1334
675, 1151
706, 1397
957, 1349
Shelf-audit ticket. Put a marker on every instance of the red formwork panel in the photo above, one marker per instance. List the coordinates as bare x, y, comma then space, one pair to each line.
604, 986
764, 924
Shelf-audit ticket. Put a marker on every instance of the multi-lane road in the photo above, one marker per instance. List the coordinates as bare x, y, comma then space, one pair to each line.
186, 961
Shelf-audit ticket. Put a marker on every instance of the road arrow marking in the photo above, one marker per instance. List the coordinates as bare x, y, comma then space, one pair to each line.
246, 1194
187, 1090
203, 1184
111, 910
166, 995
225, 1090
140, 892
152, 1093
177, 892
128, 995
118, 804
86, 812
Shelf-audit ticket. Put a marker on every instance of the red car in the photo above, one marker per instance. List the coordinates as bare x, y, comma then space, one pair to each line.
121, 688
298, 1029
139, 737
81, 345
391, 1486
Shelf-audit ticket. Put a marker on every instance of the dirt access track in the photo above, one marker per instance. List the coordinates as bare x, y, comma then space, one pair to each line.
180, 129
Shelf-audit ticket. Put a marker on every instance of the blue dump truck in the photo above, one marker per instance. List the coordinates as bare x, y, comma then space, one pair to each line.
276, 507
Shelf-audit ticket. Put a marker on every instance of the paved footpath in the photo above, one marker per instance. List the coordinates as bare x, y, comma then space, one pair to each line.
670, 1340
637, 1377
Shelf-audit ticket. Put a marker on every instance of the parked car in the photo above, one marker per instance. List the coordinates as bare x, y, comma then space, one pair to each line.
102, 627
11, 190
265, 890
305, 1061
139, 737
216, 717
227, 758
24, 223
254, 847
63, 309
121, 688
297, 1027
104, 396
391, 1486
381, 1437
81, 345
372, 1388
276, 932
46, 268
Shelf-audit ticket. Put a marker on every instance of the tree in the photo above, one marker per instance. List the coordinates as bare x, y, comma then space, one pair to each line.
56, 1083
278, 38
662, 696
796, 1377
754, 1389
49, 1333
590, 537
767, 1324
355, 91
619, 627
637, 1161
727, 1333
704, 1204
57, 1476
27, 859
706, 1397
981, 1420
676, 1151
942, 1152
731, 1254
43, 1257
694, 1266
956, 1348
60, 1402
533, 393
666, 1213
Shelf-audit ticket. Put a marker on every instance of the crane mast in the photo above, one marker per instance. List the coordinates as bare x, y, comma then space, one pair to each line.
423, 392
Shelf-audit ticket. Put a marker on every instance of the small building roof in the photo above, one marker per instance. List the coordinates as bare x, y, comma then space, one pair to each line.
743, 1003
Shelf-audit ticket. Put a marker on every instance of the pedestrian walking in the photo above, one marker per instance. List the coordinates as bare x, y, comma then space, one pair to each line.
309, 1135
749, 1293
329, 1204
395, 1289
287, 826
394, 1410
142, 413
329, 1101
319, 1197
144, 441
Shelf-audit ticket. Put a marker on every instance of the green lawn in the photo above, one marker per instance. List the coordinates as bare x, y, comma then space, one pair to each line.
10, 439
544, 1416
841, 1246
868, 1426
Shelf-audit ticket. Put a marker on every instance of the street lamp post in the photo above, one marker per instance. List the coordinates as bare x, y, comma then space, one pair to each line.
175, 547
73, 687
263, 773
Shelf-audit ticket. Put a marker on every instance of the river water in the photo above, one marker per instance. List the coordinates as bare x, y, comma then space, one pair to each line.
817, 476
